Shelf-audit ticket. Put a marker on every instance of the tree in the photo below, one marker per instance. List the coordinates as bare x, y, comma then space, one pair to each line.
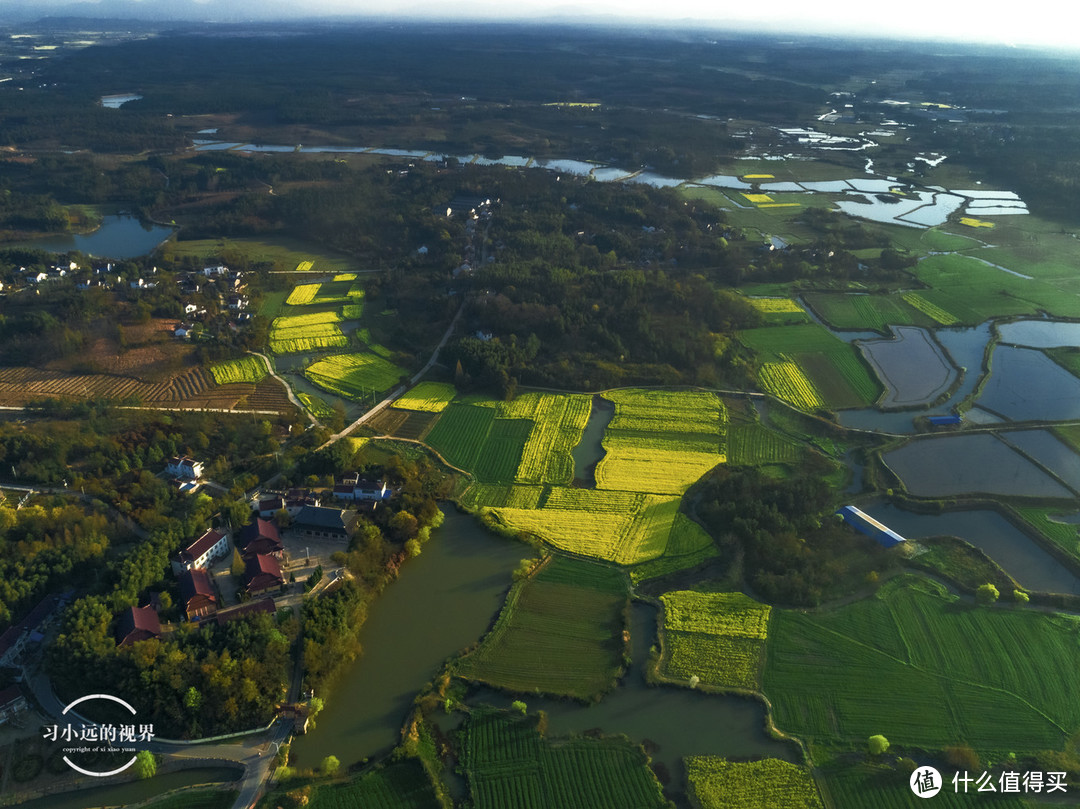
877, 744
193, 699
330, 765
145, 764
237, 566
987, 593
519, 706
1020, 597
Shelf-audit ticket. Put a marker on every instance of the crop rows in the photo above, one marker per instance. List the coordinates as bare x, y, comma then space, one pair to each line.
480, 495
502, 451
352, 311
669, 468
721, 784
661, 411
433, 397
730, 614
460, 433
930, 310
857, 786
754, 444
245, 369
556, 634
507, 771
559, 421
345, 276
884, 664
304, 266
302, 294
775, 305
354, 375
786, 381
317, 407
308, 332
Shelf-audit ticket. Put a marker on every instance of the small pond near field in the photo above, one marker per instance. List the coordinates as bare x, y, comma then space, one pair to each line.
1026, 385
120, 236
1040, 333
590, 448
444, 600
980, 463
672, 722
135, 791
911, 365
1020, 556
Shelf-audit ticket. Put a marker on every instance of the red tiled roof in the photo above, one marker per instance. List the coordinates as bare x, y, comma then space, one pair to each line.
262, 572
194, 583
202, 545
137, 623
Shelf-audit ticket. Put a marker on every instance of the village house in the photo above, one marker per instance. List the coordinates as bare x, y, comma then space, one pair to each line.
260, 537
184, 468
136, 624
361, 489
261, 574
298, 499
203, 551
197, 593
269, 507
315, 522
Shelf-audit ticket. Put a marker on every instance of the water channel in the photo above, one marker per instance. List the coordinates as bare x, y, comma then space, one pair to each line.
119, 236
671, 722
444, 600
590, 448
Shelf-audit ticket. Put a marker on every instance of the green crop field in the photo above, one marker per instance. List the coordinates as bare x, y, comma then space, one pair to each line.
560, 632
863, 312
280, 251
398, 785
354, 375
508, 765
717, 783
460, 433
432, 397
558, 421
858, 786
245, 369
502, 451
307, 332
921, 668
318, 407
832, 367
1065, 535
753, 444
717, 637
665, 411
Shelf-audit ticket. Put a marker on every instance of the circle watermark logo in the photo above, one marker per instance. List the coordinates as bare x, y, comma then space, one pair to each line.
107, 739
925, 782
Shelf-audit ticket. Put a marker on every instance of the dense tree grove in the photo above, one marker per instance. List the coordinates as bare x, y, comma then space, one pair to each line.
793, 549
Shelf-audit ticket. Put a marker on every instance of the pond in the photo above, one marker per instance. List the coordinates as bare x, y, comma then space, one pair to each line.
134, 791
115, 102
1040, 333
590, 449
673, 722
444, 600
944, 466
1026, 385
120, 236
1020, 556
912, 367
1048, 451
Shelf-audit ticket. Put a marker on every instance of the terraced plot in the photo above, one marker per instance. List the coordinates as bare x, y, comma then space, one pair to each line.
559, 633
717, 783
245, 369
354, 375
718, 638
308, 332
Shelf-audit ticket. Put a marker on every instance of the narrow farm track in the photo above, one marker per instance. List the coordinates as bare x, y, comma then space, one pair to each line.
285, 385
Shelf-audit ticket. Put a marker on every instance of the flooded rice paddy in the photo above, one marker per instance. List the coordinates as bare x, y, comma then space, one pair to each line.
911, 365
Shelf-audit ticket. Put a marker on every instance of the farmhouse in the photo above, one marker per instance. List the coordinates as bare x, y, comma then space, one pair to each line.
260, 537
204, 550
315, 522
262, 573
184, 468
197, 593
270, 506
361, 489
298, 499
136, 624
865, 524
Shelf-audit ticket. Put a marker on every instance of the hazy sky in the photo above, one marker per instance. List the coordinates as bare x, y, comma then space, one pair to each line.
1029, 22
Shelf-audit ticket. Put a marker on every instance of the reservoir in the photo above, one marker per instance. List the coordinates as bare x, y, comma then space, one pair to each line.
120, 236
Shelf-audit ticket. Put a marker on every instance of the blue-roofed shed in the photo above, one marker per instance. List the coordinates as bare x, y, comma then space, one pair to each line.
942, 421
865, 524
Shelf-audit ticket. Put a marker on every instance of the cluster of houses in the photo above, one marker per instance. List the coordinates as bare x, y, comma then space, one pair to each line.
19, 638
229, 286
